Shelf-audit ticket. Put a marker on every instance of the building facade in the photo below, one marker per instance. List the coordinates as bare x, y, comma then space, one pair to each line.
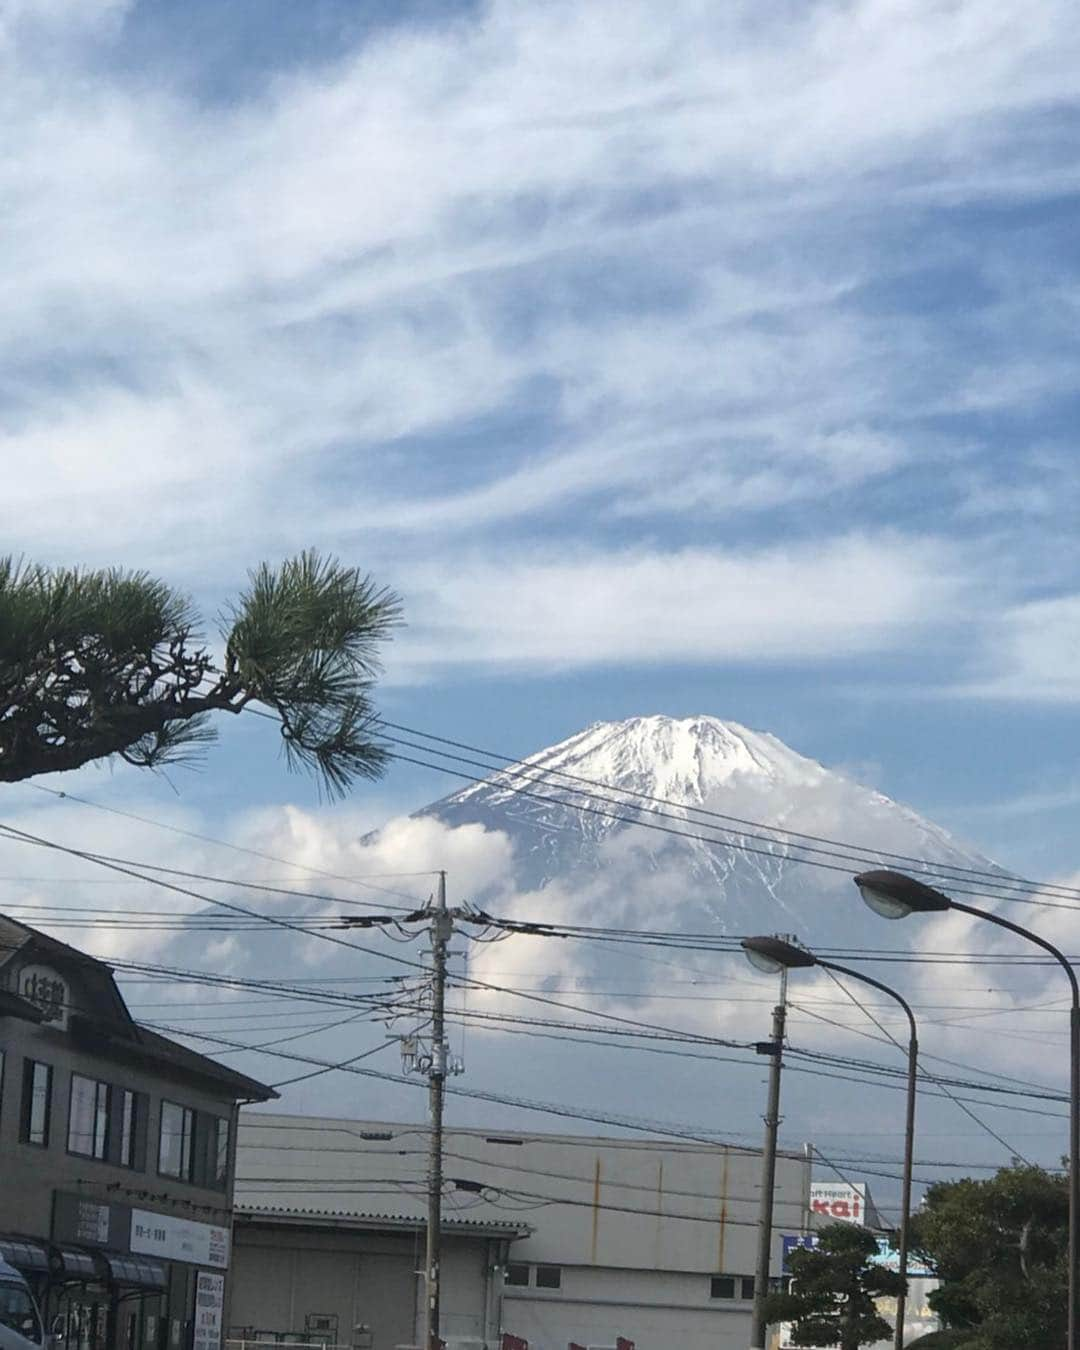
354, 1280
651, 1242
117, 1150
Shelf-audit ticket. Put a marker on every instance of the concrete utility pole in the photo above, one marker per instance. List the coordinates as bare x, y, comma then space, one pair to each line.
442, 925
773, 1048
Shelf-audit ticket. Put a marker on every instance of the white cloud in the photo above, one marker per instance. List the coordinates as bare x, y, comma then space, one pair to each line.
1030, 653
638, 885
216, 311
583, 607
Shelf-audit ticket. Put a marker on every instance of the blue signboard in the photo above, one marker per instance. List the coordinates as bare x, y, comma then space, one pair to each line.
792, 1241
887, 1255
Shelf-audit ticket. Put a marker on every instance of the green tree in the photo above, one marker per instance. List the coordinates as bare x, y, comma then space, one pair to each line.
1000, 1248
834, 1287
102, 663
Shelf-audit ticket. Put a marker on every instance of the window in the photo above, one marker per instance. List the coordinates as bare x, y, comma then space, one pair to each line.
212, 1150
17, 1312
127, 1109
37, 1102
219, 1160
723, 1286
549, 1277
174, 1150
516, 1273
88, 1117
747, 1287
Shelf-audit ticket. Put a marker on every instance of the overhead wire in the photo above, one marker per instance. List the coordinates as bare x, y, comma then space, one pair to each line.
362, 881
982, 1124
277, 921
511, 766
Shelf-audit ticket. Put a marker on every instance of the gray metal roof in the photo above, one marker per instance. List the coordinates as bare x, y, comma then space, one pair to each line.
366, 1219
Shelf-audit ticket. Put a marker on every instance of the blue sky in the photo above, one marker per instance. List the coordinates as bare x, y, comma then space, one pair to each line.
704, 360
683, 358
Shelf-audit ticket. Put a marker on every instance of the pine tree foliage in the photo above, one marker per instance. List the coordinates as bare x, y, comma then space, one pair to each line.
1000, 1246
834, 1288
102, 663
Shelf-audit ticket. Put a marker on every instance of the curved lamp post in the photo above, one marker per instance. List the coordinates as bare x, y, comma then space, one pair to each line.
894, 895
772, 955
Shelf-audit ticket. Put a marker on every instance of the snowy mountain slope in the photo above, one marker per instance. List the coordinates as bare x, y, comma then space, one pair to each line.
737, 878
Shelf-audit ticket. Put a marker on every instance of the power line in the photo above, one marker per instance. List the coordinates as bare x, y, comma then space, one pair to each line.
633, 1023
523, 1103
729, 943
551, 930
513, 767
864, 1066
27, 837
933, 1077
102, 861
223, 843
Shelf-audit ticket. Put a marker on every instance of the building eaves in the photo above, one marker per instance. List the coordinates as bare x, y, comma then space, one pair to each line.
59, 951
242, 1087
369, 1220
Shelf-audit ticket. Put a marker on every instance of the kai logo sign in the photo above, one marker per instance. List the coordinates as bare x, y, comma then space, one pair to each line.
46, 990
846, 1203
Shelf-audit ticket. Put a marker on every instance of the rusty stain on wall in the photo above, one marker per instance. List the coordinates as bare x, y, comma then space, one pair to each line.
722, 1233
596, 1211
658, 1254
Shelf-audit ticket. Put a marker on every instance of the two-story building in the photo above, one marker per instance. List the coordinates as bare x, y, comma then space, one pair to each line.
117, 1149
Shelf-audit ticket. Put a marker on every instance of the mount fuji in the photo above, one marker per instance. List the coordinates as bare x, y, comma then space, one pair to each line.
695, 826
667, 822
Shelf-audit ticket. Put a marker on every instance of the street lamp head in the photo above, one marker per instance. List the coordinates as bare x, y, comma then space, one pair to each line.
772, 954
894, 895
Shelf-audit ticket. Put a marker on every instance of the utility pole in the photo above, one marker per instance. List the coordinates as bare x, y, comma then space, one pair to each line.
773, 1048
442, 925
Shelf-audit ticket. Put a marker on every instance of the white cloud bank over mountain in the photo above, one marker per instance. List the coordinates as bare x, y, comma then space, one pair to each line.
559, 861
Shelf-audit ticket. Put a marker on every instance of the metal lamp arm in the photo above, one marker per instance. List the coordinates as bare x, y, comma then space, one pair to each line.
1031, 937
868, 979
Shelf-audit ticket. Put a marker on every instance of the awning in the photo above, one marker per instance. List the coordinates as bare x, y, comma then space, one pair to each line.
70, 1264
133, 1271
23, 1254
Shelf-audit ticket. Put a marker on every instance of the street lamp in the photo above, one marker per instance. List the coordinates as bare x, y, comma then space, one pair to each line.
774, 955
894, 895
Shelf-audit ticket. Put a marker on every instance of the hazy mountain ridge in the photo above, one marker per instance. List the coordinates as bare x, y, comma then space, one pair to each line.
743, 878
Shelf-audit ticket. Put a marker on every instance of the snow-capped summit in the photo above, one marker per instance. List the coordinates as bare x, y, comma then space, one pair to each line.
706, 817
685, 759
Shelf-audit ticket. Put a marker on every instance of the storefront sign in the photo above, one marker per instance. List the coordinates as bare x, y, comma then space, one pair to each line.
889, 1257
793, 1242
92, 1223
839, 1200
173, 1239
46, 990
209, 1305
787, 1341
89, 1223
